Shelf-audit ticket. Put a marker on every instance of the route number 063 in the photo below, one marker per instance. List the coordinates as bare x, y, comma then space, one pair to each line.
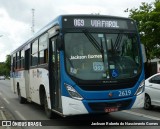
125, 93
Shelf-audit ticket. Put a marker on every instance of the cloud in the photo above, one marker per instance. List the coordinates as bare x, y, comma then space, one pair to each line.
16, 16
14, 33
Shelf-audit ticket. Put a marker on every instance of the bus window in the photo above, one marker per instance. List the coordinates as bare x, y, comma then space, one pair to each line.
22, 59
84, 60
43, 56
34, 54
18, 60
43, 42
43, 52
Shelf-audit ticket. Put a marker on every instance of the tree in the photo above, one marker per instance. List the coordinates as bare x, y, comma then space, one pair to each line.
2, 70
147, 17
8, 65
5, 66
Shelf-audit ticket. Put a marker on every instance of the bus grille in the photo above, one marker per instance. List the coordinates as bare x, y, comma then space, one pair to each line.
102, 87
100, 106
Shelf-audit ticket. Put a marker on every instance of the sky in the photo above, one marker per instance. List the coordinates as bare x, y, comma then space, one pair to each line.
16, 16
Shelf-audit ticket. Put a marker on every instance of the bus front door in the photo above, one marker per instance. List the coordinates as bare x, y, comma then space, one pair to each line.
54, 76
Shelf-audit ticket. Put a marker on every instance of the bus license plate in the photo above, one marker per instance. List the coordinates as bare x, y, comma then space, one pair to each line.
111, 109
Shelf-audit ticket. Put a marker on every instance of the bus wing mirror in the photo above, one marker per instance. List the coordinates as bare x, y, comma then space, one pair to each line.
143, 53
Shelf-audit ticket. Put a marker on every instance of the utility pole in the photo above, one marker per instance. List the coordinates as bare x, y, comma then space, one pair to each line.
33, 21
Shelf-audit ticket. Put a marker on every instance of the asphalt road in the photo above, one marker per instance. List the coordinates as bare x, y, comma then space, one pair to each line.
31, 111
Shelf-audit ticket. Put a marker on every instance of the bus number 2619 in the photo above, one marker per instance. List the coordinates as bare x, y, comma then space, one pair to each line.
125, 93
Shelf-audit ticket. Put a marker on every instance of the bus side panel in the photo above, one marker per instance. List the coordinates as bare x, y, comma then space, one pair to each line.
38, 77
26, 83
34, 86
20, 80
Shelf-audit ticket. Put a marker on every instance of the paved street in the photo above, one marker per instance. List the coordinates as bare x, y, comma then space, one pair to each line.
68, 58
5, 115
12, 110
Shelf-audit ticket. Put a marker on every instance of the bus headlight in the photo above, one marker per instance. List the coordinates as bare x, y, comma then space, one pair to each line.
73, 93
140, 88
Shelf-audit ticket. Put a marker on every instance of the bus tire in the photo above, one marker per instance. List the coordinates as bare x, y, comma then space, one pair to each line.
21, 99
48, 111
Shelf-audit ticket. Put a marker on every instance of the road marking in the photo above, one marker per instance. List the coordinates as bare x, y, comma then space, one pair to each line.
4, 118
20, 115
142, 115
6, 100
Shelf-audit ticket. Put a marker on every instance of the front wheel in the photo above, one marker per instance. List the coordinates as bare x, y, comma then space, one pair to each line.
147, 103
48, 111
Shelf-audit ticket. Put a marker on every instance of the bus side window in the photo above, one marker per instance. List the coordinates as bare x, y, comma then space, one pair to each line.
43, 56
22, 59
34, 53
43, 49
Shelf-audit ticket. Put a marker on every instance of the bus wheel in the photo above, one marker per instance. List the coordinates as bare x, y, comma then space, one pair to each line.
147, 103
21, 99
48, 111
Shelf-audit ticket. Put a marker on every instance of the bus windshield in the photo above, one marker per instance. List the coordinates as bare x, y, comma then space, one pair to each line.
102, 56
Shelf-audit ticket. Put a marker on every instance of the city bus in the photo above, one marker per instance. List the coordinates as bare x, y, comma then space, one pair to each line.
81, 64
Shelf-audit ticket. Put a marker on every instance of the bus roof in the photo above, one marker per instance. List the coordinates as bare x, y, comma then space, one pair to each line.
59, 22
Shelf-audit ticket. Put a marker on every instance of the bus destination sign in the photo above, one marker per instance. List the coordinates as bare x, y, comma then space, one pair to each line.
98, 23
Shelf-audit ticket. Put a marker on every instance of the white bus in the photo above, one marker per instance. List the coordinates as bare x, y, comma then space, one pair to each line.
81, 64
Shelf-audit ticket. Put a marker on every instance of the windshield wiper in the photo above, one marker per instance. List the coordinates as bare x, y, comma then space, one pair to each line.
94, 42
117, 42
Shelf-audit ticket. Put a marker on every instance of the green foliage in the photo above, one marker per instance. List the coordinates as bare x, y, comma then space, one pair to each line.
147, 17
5, 66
